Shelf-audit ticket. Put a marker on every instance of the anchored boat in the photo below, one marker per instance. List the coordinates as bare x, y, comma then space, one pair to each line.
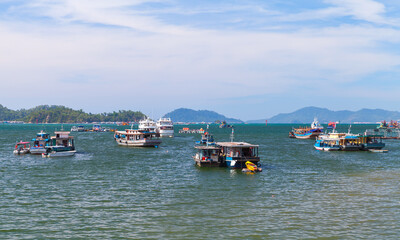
348, 142
61, 145
21, 148
40, 143
311, 132
236, 154
208, 156
165, 127
137, 138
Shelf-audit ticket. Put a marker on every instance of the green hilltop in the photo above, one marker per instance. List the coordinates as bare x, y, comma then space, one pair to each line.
62, 114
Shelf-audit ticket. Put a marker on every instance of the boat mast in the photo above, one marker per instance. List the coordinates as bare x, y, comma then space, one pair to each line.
232, 135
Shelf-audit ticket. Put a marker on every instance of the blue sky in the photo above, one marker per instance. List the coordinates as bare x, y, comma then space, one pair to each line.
244, 59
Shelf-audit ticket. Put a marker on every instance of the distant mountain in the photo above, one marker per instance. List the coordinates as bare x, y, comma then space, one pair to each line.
307, 114
189, 115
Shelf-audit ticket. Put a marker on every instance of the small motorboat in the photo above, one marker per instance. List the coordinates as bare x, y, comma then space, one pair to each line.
252, 167
22, 148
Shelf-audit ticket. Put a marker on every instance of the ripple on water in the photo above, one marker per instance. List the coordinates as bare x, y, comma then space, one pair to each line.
108, 191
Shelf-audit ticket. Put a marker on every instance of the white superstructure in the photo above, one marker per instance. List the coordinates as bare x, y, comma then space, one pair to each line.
165, 127
148, 125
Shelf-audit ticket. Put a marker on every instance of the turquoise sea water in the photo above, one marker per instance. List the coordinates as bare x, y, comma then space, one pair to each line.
111, 192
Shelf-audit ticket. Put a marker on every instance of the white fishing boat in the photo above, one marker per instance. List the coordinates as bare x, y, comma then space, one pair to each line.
148, 125
165, 127
137, 138
62, 145
21, 148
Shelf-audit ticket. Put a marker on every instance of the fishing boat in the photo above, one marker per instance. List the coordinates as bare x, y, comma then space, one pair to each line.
137, 138
165, 127
236, 154
206, 139
348, 142
224, 125
373, 142
40, 143
311, 132
21, 148
208, 155
61, 145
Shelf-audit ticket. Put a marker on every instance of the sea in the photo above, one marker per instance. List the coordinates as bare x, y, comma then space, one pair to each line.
108, 191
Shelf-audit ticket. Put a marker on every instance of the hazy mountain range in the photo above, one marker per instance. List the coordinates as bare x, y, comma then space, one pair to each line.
307, 114
58, 114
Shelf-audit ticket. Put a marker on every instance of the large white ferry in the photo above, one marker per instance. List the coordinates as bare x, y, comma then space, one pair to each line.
148, 125
165, 127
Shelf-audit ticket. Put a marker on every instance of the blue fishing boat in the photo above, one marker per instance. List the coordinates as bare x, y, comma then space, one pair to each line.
348, 142
40, 143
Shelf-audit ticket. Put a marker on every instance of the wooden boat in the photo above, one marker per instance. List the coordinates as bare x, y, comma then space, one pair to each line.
208, 156
236, 154
348, 142
137, 138
61, 145
21, 148
311, 132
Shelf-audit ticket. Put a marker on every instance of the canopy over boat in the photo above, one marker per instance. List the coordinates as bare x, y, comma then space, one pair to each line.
236, 144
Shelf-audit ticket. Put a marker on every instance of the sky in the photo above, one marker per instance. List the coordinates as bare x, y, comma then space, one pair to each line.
243, 59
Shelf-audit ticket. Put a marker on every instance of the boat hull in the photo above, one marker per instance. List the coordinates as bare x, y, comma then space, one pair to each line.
60, 153
139, 143
234, 162
21, 152
37, 150
166, 133
310, 135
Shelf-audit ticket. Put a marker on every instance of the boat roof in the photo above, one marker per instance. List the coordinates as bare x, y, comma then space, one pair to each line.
20, 143
134, 132
207, 147
236, 144
55, 137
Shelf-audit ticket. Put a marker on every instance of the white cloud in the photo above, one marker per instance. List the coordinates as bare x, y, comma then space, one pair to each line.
367, 10
146, 62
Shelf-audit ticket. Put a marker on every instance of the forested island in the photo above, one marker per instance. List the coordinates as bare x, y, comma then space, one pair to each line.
62, 114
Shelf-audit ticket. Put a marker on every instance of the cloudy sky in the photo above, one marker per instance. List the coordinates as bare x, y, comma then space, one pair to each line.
244, 59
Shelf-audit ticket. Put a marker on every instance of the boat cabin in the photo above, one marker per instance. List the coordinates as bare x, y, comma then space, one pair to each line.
208, 156
236, 154
63, 139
